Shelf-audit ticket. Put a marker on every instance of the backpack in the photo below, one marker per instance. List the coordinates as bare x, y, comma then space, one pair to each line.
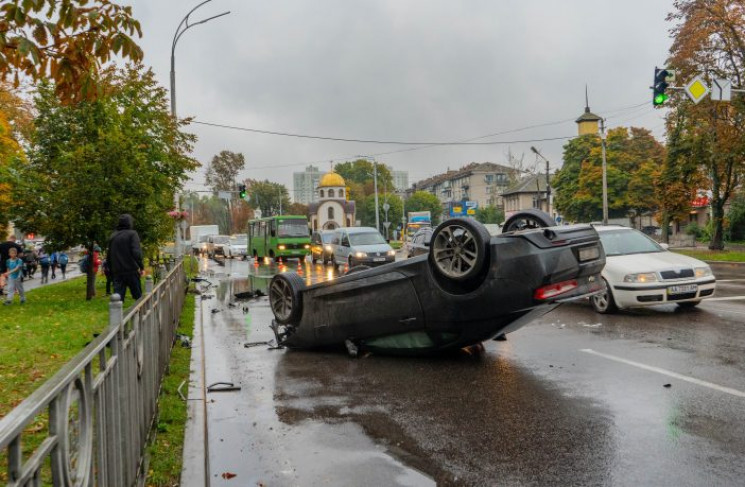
83, 264
63, 259
44, 260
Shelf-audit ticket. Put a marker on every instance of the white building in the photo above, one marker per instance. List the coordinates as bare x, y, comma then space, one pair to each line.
331, 209
305, 184
400, 180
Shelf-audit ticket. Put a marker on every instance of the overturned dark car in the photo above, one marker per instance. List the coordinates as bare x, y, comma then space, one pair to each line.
470, 287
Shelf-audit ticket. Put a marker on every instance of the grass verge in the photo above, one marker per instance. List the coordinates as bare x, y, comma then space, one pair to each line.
166, 451
714, 255
38, 337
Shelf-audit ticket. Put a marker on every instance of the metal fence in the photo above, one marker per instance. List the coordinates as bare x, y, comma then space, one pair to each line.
101, 404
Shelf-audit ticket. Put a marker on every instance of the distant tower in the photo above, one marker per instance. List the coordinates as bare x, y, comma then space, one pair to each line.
588, 123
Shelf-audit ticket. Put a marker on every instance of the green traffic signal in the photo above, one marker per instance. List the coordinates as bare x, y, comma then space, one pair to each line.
660, 84
660, 98
242, 191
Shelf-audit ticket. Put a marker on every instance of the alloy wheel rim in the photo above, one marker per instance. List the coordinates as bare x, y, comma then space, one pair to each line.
281, 299
455, 251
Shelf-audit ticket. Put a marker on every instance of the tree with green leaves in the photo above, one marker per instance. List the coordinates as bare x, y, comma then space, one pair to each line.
490, 214
268, 197
425, 201
223, 170
366, 211
359, 177
633, 157
709, 37
90, 162
66, 41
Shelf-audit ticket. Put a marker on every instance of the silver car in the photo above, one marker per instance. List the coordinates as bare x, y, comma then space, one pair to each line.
361, 246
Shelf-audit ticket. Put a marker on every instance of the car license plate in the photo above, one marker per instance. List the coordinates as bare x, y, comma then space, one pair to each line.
685, 288
379, 259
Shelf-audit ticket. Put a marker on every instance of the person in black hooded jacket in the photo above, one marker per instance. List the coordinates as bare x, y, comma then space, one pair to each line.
125, 258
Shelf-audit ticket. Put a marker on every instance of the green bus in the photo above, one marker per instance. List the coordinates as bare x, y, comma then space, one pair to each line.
286, 236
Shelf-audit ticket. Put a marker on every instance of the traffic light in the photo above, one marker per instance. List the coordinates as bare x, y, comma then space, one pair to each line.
242, 191
662, 77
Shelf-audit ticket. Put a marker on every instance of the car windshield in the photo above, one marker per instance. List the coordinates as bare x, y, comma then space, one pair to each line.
327, 237
293, 228
241, 240
627, 242
220, 239
370, 238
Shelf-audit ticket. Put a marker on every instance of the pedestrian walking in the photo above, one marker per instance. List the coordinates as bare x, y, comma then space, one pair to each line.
63, 260
45, 263
125, 258
14, 275
5, 251
53, 264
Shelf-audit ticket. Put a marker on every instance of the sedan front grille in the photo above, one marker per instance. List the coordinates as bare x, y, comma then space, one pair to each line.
676, 274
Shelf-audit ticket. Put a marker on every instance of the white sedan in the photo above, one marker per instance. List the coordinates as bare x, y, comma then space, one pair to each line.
237, 247
640, 272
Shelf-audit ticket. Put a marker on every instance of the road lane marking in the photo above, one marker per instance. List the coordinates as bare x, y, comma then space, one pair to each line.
692, 380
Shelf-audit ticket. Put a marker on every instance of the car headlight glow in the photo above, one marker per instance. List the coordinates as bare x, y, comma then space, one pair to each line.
281, 247
391, 253
307, 246
641, 277
328, 248
702, 271
359, 255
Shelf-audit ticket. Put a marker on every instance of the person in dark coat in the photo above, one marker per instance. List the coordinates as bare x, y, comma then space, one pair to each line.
125, 258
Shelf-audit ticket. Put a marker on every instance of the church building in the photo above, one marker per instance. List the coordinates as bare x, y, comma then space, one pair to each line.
331, 209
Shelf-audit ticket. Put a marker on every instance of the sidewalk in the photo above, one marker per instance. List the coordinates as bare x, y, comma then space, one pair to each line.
35, 282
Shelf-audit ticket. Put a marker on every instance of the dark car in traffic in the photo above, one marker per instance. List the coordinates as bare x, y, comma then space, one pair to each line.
320, 247
419, 243
468, 288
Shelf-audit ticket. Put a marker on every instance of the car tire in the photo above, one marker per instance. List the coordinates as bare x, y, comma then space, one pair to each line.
285, 297
357, 268
688, 304
527, 219
459, 249
604, 303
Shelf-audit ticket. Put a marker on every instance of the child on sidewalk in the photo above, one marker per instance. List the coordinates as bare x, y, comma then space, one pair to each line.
15, 277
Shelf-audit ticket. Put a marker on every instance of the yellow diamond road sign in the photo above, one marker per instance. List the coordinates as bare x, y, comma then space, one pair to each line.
696, 89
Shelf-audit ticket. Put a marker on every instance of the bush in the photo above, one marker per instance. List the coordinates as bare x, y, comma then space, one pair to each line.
694, 229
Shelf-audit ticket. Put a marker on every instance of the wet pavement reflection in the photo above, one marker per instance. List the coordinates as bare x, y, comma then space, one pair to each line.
534, 410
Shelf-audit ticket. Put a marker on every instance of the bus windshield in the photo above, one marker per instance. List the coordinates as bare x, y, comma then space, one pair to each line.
293, 228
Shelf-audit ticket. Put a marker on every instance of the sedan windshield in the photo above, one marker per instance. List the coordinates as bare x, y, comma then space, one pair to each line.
242, 240
293, 228
220, 239
327, 237
371, 238
626, 242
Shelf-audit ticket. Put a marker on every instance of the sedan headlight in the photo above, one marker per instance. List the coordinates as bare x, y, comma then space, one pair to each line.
391, 253
281, 247
328, 248
702, 271
642, 277
360, 255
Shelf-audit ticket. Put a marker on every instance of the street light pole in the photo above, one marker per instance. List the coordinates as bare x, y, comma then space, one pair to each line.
605, 173
548, 181
183, 26
375, 185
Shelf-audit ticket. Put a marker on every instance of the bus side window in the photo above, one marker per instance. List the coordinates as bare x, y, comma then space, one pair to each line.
273, 224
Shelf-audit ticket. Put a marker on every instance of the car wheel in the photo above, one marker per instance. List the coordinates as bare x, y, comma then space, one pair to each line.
604, 303
688, 304
459, 249
357, 268
285, 297
526, 219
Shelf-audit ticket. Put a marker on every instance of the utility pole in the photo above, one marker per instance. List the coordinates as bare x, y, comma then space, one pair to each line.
548, 180
605, 173
375, 185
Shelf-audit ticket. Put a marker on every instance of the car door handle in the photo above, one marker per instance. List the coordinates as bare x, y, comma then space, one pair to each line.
405, 321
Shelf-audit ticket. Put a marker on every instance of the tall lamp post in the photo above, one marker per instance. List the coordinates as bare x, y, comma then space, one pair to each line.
375, 187
605, 173
548, 181
183, 26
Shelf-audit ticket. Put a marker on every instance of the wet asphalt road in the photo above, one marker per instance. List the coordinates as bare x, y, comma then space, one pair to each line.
649, 397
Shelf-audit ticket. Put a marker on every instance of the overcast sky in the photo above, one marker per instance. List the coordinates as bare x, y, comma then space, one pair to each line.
404, 70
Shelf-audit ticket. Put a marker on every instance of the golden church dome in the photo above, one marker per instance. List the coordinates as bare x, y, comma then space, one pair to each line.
331, 179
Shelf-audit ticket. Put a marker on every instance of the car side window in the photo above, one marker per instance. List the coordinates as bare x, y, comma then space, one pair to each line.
345, 241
